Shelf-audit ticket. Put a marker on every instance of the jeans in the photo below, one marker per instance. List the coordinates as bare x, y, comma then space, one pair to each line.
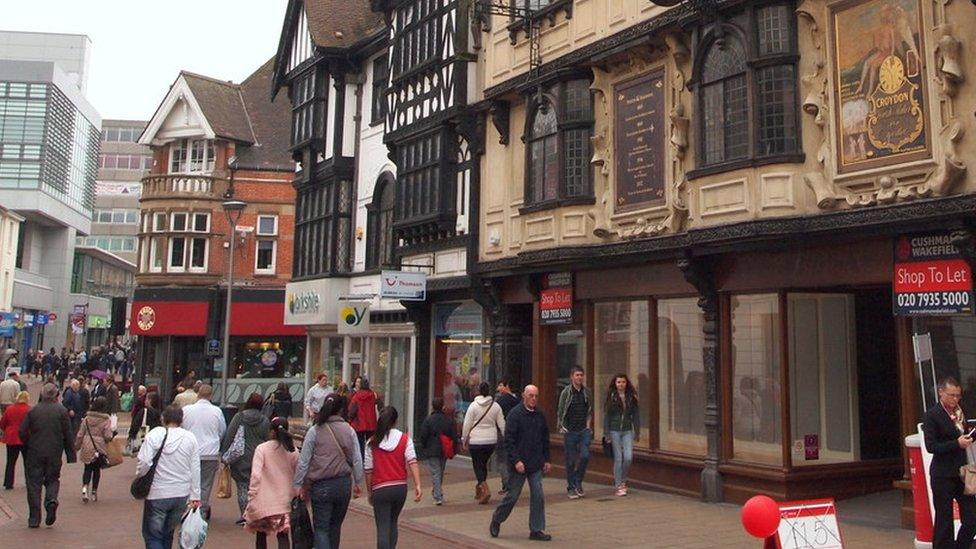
537, 500
330, 501
13, 451
501, 464
160, 517
480, 454
387, 504
623, 454
46, 472
577, 452
208, 470
91, 474
437, 466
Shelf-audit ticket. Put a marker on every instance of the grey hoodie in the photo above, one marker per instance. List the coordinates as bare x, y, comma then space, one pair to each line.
256, 427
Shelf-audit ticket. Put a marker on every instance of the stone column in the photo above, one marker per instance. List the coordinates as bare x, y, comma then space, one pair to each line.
698, 273
507, 329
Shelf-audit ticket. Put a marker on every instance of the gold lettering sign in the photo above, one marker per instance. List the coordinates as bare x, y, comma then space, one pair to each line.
880, 76
639, 132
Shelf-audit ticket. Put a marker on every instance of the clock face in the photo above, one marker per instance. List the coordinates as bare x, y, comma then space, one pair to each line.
891, 74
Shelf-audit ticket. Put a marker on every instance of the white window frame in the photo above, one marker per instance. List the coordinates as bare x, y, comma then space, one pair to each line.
274, 255
172, 222
274, 220
170, 268
207, 163
154, 254
182, 145
157, 226
206, 254
193, 222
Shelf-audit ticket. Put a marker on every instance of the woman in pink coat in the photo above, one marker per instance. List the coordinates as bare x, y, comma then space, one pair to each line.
270, 491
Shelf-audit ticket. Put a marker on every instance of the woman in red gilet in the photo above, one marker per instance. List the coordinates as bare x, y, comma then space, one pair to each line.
362, 413
388, 455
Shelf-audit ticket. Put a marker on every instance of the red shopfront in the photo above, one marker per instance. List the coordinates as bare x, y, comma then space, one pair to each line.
174, 326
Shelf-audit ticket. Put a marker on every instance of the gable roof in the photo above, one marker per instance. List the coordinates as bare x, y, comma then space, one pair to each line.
341, 23
270, 122
223, 106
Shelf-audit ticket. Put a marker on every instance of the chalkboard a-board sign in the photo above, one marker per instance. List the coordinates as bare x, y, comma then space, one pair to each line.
639, 141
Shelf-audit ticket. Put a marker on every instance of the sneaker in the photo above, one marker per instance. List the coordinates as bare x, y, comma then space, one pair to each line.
540, 536
494, 528
84, 494
438, 502
579, 492
572, 494
621, 491
94, 496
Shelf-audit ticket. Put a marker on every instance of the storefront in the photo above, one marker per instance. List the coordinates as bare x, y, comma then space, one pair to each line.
175, 325
381, 348
462, 355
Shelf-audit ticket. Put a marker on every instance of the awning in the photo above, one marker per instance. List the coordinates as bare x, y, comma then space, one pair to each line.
169, 318
261, 319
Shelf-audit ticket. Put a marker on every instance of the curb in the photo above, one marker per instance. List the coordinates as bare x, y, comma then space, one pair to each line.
453, 538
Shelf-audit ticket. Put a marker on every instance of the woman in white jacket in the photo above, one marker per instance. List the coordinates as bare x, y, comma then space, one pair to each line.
483, 422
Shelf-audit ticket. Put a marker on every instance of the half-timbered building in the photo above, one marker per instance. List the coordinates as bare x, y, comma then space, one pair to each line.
333, 61
726, 200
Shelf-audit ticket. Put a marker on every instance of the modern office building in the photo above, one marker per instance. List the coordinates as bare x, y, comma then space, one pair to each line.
49, 142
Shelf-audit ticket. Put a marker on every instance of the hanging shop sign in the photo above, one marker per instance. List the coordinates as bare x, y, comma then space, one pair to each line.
556, 299
42, 319
403, 285
7, 321
931, 277
313, 302
353, 317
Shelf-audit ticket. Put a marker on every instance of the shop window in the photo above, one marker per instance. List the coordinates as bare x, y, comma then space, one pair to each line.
461, 354
823, 380
557, 144
747, 87
756, 402
681, 375
570, 351
621, 346
389, 373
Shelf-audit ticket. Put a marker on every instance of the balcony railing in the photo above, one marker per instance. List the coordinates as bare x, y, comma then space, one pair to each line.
183, 186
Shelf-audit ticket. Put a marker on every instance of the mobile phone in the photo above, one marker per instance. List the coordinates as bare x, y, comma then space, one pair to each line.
972, 434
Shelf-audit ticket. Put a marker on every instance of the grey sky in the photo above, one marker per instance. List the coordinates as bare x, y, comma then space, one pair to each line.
139, 46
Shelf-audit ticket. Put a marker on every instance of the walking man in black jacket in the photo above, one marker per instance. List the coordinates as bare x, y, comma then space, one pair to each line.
46, 432
944, 427
527, 445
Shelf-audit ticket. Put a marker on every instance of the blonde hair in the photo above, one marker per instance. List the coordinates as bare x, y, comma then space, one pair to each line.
23, 397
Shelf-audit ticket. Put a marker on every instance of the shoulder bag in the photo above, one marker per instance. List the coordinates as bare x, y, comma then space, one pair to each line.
468, 437
967, 473
336, 440
101, 460
142, 485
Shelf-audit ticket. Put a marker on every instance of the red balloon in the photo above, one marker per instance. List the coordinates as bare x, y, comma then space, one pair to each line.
760, 516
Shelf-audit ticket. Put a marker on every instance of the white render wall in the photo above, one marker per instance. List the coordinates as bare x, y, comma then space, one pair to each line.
9, 237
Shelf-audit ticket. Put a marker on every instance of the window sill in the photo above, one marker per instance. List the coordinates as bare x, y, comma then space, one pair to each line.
793, 158
264, 274
558, 203
374, 123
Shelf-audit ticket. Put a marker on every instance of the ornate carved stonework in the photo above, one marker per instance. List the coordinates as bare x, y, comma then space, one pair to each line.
886, 189
500, 112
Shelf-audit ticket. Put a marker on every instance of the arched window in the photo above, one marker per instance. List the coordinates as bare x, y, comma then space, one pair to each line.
557, 144
746, 78
379, 224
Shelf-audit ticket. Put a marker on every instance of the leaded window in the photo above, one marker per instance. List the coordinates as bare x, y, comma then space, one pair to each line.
558, 144
380, 79
322, 229
379, 230
303, 108
747, 92
420, 35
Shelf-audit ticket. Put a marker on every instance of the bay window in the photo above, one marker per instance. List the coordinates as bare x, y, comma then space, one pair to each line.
192, 156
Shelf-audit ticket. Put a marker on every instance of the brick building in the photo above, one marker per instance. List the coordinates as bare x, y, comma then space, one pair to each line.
212, 141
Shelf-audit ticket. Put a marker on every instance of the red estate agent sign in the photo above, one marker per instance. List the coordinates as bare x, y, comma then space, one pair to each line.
556, 300
930, 277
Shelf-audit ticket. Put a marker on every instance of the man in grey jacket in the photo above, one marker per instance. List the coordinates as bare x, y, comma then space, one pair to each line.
46, 432
574, 419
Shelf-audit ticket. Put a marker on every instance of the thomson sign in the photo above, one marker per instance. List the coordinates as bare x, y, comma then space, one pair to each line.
405, 286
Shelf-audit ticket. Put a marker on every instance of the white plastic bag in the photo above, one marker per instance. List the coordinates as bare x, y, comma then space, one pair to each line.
193, 530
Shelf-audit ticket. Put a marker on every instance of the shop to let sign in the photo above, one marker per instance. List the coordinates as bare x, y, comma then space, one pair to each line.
556, 300
930, 277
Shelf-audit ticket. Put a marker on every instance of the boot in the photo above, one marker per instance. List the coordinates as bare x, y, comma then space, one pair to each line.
477, 492
485, 494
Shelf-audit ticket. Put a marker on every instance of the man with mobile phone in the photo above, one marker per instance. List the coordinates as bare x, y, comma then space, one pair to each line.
947, 437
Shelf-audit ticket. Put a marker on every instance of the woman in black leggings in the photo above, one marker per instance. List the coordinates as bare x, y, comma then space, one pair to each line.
388, 455
93, 436
482, 423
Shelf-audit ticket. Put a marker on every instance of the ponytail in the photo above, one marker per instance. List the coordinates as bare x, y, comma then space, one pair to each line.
279, 428
334, 405
386, 421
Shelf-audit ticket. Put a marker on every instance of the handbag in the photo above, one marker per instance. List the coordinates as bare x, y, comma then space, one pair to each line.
133, 445
447, 446
302, 534
607, 447
968, 475
141, 486
101, 460
236, 449
224, 490
114, 451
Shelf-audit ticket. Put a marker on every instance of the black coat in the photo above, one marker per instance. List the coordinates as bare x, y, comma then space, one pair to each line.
429, 439
46, 432
527, 438
282, 404
507, 401
941, 440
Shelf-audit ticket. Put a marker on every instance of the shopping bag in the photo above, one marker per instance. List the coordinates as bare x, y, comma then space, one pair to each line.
193, 530
302, 535
126, 401
113, 421
224, 490
114, 451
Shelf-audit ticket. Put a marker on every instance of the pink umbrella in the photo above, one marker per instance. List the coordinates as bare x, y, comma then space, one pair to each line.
98, 374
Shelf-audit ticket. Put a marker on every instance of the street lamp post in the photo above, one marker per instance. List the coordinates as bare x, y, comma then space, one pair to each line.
233, 209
